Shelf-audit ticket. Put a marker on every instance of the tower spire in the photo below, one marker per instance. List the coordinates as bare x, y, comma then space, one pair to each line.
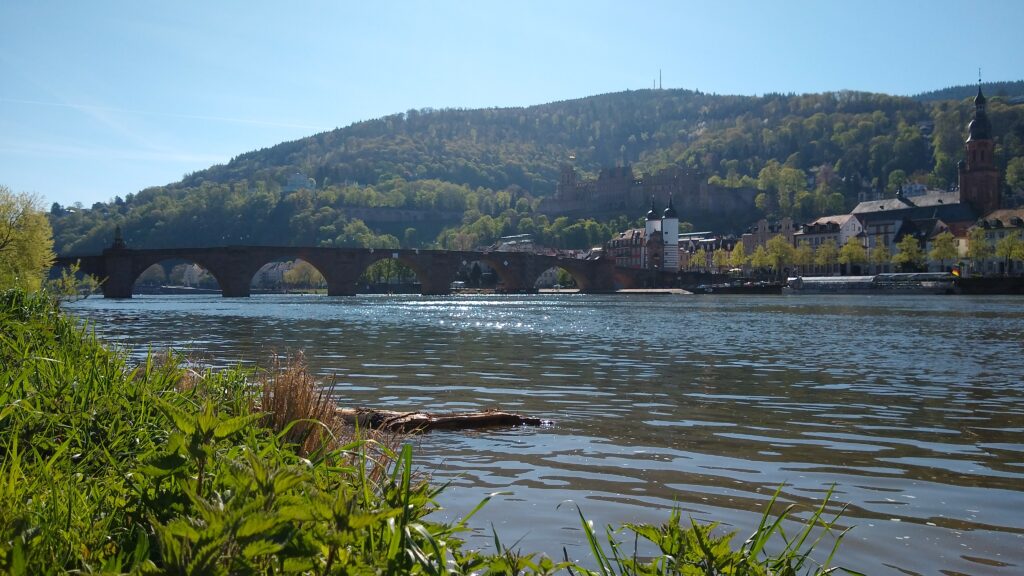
119, 243
653, 214
670, 212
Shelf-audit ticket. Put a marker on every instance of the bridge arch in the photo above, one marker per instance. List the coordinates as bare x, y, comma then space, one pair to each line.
576, 271
556, 277
510, 274
434, 271
194, 273
233, 267
383, 267
336, 268
519, 271
286, 272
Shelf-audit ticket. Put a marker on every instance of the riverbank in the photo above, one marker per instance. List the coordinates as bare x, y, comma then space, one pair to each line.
116, 468
160, 467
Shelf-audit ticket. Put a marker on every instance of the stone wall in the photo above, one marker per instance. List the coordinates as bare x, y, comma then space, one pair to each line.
616, 191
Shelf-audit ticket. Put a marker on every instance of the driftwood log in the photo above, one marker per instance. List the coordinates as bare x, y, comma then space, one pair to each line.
410, 422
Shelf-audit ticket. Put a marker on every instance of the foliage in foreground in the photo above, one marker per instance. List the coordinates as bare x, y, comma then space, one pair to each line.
155, 469
26, 241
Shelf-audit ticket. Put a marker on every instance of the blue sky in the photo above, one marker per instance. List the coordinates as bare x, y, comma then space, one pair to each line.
105, 98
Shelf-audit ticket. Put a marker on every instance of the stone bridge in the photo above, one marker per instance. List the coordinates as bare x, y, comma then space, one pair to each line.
235, 266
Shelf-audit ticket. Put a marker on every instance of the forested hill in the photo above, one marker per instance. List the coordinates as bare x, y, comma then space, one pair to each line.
457, 178
498, 148
1007, 90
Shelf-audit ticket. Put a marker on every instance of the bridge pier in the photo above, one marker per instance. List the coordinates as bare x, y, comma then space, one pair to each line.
435, 272
341, 270
235, 286
118, 276
342, 283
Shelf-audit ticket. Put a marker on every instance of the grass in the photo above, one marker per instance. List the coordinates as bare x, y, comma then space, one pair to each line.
112, 468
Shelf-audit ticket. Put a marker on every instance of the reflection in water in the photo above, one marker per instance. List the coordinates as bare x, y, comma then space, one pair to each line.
912, 407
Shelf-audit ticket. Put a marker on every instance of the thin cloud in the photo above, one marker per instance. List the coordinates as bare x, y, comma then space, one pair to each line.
91, 109
42, 149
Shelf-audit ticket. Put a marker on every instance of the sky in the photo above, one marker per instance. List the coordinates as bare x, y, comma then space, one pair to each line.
105, 98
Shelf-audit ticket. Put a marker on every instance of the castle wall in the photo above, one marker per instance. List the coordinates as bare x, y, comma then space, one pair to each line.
617, 191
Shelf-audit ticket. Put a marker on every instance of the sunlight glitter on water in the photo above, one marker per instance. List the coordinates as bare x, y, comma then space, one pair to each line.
708, 402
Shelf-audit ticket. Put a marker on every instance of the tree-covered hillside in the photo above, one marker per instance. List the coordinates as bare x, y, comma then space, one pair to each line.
456, 178
1008, 90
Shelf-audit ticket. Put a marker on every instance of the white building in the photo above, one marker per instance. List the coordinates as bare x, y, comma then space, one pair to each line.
656, 247
670, 235
839, 229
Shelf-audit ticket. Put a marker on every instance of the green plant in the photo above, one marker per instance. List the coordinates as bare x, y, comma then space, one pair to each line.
107, 467
700, 549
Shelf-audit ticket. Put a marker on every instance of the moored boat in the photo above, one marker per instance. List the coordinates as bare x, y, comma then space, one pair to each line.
891, 283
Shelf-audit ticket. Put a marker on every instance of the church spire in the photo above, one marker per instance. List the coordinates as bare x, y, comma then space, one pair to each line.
979, 128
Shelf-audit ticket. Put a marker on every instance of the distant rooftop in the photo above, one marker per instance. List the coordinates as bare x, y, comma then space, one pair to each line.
931, 198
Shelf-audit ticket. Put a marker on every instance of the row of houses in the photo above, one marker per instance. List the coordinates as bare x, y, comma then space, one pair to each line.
921, 213
927, 214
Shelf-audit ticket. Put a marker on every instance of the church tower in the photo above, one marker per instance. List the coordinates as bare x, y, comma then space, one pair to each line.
979, 177
670, 235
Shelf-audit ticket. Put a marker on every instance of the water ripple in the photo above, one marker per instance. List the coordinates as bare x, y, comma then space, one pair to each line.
908, 406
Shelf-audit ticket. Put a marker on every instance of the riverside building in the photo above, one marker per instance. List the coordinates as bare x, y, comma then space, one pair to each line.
654, 247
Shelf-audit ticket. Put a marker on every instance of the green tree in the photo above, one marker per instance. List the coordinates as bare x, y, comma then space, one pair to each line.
979, 248
26, 241
768, 184
152, 276
780, 253
792, 188
879, 255
803, 256
760, 258
699, 260
826, 255
784, 187
1015, 174
909, 256
852, 253
1009, 248
303, 275
1017, 253
738, 256
720, 258
943, 248
564, 279
896, 179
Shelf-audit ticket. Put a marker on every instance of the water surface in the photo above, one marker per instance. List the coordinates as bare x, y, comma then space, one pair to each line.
911, 406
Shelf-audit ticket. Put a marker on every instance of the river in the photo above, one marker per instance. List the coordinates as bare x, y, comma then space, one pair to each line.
913, 407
